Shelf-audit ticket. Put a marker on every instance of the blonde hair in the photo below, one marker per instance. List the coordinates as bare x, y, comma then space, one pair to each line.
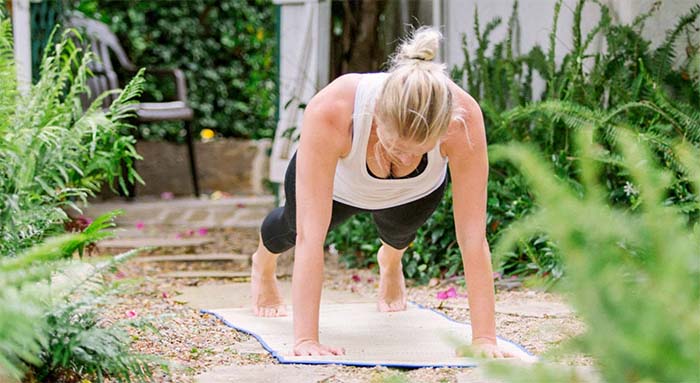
415, 103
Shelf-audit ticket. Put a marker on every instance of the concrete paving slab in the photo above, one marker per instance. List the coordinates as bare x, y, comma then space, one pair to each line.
267, 374
236, 211
132, 243
475, 375
533, 308
237, 295
237, 258
582, 374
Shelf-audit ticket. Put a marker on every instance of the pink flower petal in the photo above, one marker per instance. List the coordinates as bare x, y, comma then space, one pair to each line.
140, 225
497, 275
178, 236
167, 195
84, 220
202, 231
189, 233
164, 294
447, 294
356, 278
119, 274
370, 280
131, 314
240, 205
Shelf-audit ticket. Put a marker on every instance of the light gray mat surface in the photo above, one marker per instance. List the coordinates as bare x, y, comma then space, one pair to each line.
417, 337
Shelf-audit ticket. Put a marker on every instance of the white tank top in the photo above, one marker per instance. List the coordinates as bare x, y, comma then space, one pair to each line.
354, 186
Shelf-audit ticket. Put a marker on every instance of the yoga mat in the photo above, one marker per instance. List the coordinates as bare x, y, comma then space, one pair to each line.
414, 338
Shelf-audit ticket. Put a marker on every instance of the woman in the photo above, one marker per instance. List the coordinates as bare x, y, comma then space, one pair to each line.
381, 143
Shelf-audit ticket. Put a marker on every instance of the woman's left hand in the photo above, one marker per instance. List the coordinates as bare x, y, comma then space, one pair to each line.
486, 348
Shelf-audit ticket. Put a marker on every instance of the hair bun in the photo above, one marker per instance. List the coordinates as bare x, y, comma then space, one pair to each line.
423, 45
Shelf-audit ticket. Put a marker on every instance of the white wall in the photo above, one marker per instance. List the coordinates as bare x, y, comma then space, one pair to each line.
537, 16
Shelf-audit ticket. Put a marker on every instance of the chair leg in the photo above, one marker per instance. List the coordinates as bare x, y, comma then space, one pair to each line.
193, 163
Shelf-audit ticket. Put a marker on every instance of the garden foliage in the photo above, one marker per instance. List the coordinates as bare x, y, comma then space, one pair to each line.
54, 153
632, 275
630, 84
50, 318
225, 48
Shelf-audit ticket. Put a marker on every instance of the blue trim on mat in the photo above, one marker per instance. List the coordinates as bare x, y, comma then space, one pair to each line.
282, 360
467, 323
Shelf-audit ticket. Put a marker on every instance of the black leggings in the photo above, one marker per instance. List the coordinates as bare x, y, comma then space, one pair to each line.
396, 225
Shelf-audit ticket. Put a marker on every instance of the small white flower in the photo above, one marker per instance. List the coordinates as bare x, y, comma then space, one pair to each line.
629, 189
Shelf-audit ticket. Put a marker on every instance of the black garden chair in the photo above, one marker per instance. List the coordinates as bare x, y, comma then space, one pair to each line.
103, 42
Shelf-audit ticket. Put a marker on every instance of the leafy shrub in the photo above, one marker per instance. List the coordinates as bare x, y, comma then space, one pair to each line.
51, 151
51, 154
632, 275
50, 330
225, 48
631, 85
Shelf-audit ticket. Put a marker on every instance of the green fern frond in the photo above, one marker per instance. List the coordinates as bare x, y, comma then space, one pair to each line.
664, 55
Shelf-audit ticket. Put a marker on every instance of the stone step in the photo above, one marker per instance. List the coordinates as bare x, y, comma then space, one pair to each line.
238, 258
237, 212
207, 274
132, 243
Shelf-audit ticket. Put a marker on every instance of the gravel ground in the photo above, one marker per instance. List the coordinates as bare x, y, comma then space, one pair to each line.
195, 342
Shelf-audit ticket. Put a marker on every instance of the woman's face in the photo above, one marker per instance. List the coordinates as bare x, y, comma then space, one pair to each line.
401, 150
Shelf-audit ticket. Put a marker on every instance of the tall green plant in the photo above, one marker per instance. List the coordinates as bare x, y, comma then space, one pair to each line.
631, 84
52, 152
633, 276
50, 330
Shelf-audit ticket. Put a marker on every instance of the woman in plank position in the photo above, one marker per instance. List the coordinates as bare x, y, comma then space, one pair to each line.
381, 143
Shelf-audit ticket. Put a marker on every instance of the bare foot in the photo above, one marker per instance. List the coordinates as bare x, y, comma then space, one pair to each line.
392, 290
266, 298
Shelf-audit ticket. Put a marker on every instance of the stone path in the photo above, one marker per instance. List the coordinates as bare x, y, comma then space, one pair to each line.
192, 261
242, 212
133, 243
241, 259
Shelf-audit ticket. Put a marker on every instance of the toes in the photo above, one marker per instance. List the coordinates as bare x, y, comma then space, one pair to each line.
269, 312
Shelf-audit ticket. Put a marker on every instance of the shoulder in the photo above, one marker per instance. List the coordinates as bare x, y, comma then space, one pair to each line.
336, 97
334, 103
466, 132
328, 115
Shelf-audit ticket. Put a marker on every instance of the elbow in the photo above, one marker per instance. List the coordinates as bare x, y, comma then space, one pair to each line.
306, 238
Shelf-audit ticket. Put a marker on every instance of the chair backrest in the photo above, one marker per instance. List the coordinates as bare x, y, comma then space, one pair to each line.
101, 41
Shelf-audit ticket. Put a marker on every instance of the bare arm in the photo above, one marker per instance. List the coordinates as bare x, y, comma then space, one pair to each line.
325, 137
466, 149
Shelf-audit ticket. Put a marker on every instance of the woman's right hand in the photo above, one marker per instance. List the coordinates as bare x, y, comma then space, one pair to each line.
313, 348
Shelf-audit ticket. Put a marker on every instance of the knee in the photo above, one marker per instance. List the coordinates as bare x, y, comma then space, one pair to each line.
392, 250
